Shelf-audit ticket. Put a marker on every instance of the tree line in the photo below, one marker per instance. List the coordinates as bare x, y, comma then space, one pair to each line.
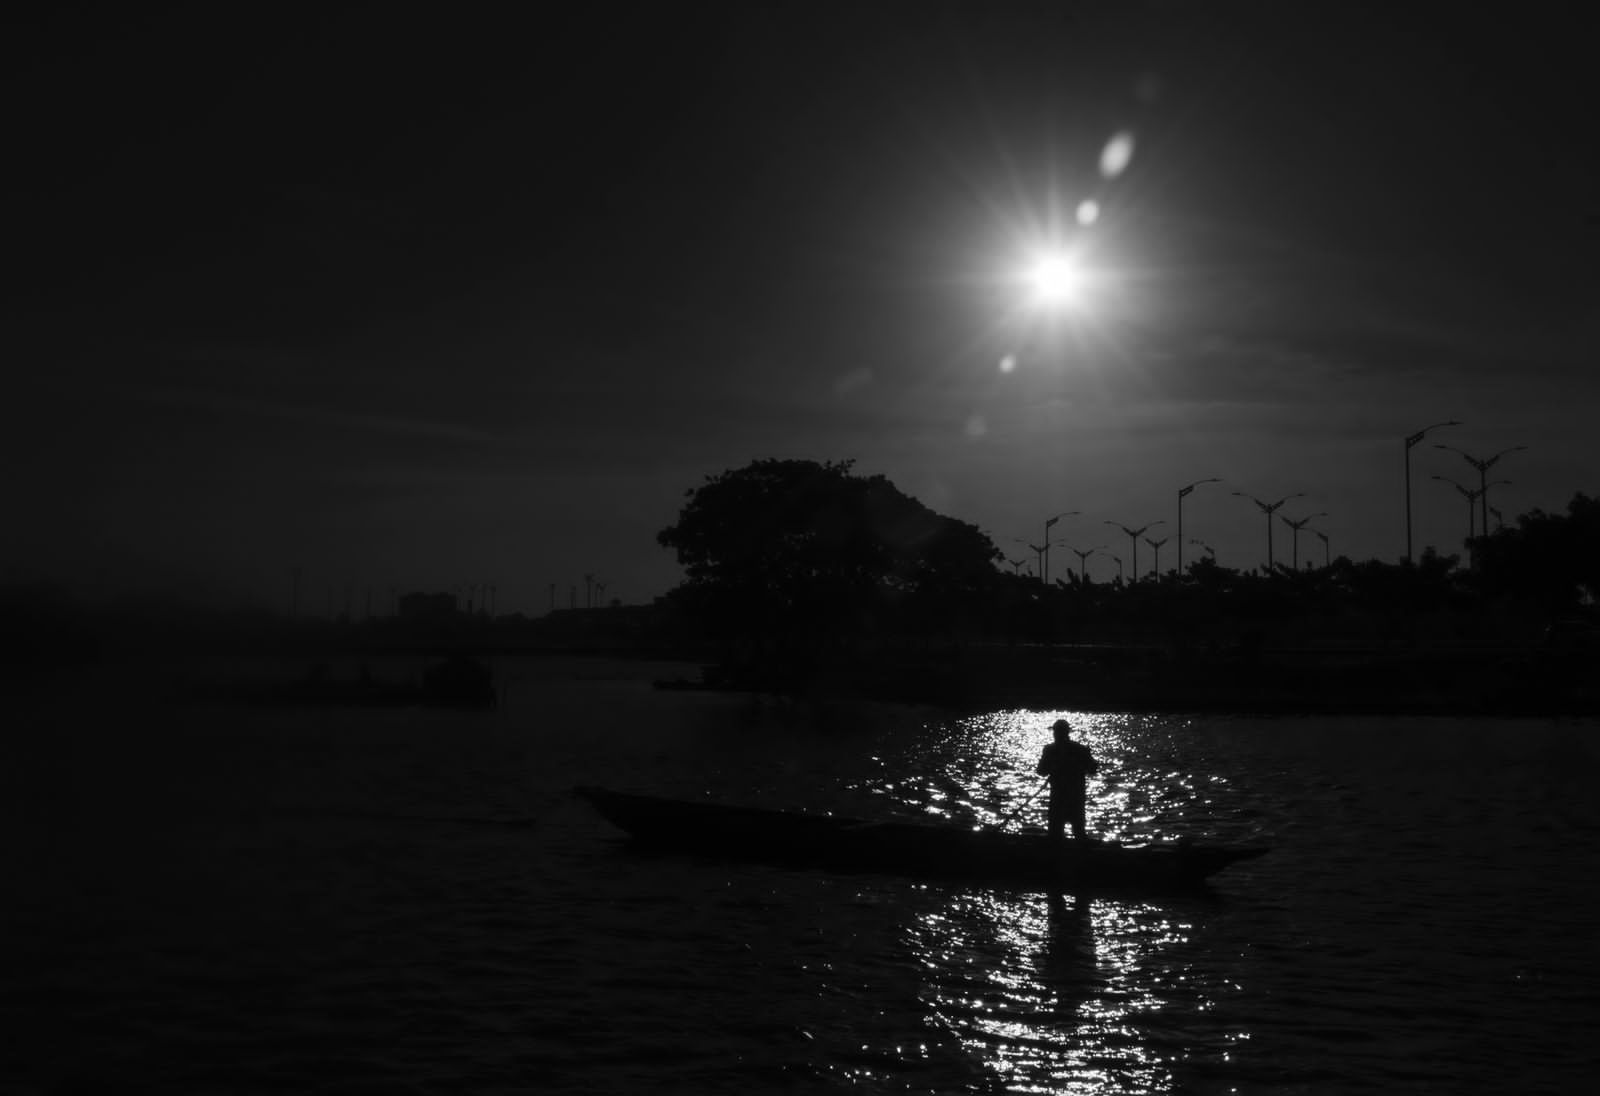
804, 555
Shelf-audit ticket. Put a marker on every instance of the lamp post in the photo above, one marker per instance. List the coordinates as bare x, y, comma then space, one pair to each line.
1083, 560
1039, 550
1472, 506
1297, 526
1182, 491
1269, 508
1483, 467
1472, 497
1133, 536
1210, 551
1156, 545
1411, 441
1499, 519
1327, 558
1016, 565
1118, 561
1045, 566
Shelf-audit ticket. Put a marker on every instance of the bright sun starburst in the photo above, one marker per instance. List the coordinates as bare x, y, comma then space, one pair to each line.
1055, 279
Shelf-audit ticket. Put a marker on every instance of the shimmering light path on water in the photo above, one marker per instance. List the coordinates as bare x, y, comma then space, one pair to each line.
981, 769
320, 902
1049, 992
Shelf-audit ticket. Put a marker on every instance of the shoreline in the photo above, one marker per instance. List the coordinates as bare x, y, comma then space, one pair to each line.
1485, 682
1402, 683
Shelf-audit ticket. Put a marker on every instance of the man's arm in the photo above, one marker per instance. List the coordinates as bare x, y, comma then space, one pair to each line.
1090, 765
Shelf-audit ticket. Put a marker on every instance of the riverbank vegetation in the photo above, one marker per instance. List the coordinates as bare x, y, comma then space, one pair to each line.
802, 577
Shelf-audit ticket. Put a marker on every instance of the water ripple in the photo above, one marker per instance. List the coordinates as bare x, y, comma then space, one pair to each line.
303, 905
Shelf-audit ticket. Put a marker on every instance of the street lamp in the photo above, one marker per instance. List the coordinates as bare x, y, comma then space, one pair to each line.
1016, 564
1297, 526
1156, 544
1472, 498
1412, 440
1472, 503
1038, 550
1483, 467
1118, 561
1182, 491
1083, 559
1210, 551
1327, 558
1133, 536
1045, 566
1269, 508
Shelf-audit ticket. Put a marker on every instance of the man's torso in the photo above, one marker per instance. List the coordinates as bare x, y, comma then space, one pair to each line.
1067, 760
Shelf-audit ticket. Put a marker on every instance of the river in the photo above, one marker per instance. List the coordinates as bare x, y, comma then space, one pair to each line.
210, 899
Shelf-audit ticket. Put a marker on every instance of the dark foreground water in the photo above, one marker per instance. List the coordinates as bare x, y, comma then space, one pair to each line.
225, 901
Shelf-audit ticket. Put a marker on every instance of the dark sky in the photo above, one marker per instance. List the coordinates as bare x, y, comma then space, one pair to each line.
419, 298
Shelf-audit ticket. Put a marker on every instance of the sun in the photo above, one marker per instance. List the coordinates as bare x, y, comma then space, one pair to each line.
1055, 280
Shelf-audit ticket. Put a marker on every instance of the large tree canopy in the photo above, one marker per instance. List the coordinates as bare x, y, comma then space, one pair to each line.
792, 543
1553, 559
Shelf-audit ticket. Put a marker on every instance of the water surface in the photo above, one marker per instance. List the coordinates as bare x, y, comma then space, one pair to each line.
216, 899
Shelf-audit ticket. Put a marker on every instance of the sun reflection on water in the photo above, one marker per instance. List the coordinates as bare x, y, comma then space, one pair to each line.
982, 771
1065, 994
1051, 994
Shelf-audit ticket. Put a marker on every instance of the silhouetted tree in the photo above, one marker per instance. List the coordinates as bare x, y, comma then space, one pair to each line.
794, 548
1551, 559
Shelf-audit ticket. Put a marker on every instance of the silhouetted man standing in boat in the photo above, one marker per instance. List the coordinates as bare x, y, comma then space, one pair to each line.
1069, 765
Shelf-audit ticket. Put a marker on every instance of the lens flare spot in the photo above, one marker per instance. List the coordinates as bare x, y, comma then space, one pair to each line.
1117, 154
1088, 212
1008, 364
